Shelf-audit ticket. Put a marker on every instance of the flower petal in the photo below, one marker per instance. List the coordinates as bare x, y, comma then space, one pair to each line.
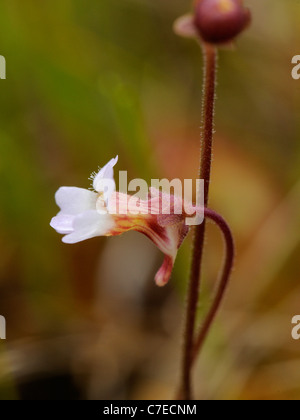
167, 232
88, 225
63, 223
185, 26
105, 174
74, 200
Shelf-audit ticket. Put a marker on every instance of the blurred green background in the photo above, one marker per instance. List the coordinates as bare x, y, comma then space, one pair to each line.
87, 81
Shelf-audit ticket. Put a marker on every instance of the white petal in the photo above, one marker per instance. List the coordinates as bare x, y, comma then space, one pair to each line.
107, 187
74, 200
88, 225
63, 223
107, 172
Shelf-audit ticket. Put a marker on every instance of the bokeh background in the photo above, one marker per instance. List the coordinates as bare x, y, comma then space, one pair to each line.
87, 81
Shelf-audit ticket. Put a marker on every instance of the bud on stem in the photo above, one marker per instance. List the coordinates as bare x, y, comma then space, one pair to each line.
220, 21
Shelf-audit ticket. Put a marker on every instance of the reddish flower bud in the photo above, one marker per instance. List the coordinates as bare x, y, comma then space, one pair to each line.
220, 21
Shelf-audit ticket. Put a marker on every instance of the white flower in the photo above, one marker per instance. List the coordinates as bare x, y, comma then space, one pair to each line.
85, 214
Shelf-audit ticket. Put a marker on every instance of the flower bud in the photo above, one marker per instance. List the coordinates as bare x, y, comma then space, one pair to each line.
220, 21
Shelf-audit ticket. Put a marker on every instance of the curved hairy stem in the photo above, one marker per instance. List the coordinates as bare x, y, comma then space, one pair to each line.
225, 276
